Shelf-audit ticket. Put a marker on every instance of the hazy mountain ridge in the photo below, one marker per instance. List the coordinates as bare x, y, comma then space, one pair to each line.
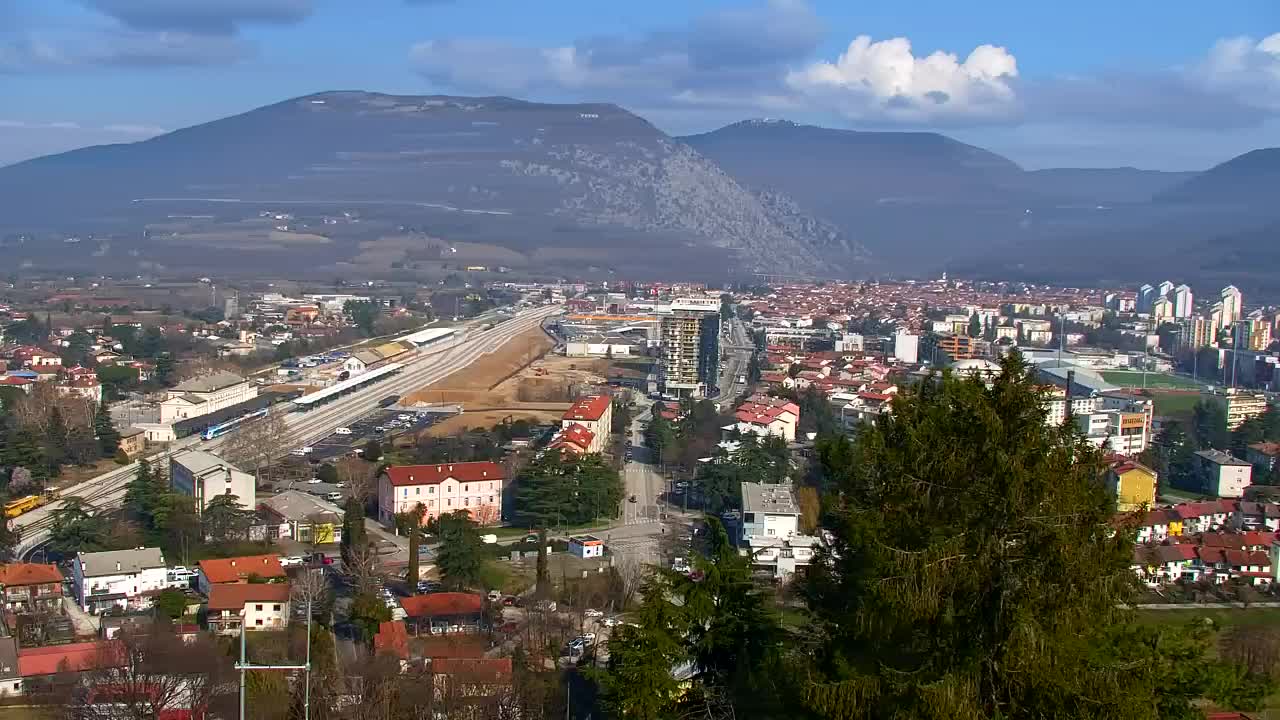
594, 165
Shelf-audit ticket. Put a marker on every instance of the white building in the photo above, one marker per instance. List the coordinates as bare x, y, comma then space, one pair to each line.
204, 395
598, 345
204, 476
1223, 474
586, 546
125, 579
1120, 432
595, 413
906, 347
1232, 305
1183, 301
771, 534
476, 487
1056, 406
252, 606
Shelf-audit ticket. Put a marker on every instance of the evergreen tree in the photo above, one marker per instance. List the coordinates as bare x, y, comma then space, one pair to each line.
1209, 426
140, 499
224, 519
1174, 453
20, 449
354, 532
461, 552
105, 429
975, 325
974, 559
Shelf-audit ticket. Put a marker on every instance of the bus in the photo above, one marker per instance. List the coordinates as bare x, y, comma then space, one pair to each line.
214, 431
14, 508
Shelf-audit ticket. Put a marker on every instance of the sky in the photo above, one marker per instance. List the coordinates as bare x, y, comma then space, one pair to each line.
1177, 85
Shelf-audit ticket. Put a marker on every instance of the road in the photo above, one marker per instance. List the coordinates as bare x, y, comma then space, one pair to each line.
738, 345
107, 489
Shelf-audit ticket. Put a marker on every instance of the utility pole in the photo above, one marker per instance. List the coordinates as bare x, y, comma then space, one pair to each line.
244, 666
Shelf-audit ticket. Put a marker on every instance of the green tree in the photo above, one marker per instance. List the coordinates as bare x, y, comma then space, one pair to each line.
140, 496
638, 681
354, 532
105, 429
75, 529
973, 558
461, 552
558, 489
1250, 431
975, 325
10, 536
1174, 453
410, 524
171, 604
1209, 426
659, 435
224, 519
372, 451
367, 613
363, 314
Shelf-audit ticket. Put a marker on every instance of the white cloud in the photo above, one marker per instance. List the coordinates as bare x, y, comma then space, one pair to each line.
885, 80
1248, 69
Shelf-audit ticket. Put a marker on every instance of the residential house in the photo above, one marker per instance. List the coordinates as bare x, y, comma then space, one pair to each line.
595, 413
40, 665
1248, 515
476, 487
1222, 474
125, 579
305, 517
1162, 564
1132, 483
771, 535
31, 588
238, 571
251, 606
765, 416
443, 613
471, 688
85, 386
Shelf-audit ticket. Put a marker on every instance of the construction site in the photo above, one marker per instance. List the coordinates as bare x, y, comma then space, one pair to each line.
518, 380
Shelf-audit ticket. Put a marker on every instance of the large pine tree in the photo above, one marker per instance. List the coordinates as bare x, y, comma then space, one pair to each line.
976, 571
105, 429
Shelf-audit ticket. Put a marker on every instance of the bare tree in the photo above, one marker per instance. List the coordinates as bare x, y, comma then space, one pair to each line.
631, 575
140, 675
358, 475
254, 445
309, 591
365, 569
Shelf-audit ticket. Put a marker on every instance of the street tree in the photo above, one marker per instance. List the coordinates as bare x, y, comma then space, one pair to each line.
105, 429
409, 523
460, 556
224, 519
254, 445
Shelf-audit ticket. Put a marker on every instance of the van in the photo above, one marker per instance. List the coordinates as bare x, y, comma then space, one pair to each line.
333, 497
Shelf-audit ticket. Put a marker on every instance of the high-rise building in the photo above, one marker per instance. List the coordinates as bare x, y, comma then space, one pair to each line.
1165, 289
906, 347
1161, 309
1232, 305
691, 346
1199, 332
1182, 301
1256, 332
1216, 317
231, 308
1146, 296
1239, 405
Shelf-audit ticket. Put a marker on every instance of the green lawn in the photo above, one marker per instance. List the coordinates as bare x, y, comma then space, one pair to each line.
1175, 404
1134, 379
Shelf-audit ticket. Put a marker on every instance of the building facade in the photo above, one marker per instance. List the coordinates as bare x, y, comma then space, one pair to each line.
1222, 474
595, 413
204, 476
691, 346
204, 395
125, 579
31, 588
476, 487
771, 535
1239, 405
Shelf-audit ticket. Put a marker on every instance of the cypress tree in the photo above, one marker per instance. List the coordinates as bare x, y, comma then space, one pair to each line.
105, 429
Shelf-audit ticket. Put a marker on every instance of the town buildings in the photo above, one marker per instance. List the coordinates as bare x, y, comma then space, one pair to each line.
1222, 474
256, 606
1133, 484
771, 535
476, 487
764, 415
586, 546
204, 476
691, 346
31, 588
1239, 405
245, 569
304, 517
124, 579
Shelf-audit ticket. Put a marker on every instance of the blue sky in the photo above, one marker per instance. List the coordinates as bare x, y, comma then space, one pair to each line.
1162, 85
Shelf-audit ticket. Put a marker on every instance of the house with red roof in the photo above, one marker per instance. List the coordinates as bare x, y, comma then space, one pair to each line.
471, 687
36, 664
443, 613
765, 416
31, 587
252, 606
574, 439
595, 413
238, 570
392, 639
442, 488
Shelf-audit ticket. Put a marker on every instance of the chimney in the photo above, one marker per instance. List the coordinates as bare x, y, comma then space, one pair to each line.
117, 566
233, 563
450, 468
410, 478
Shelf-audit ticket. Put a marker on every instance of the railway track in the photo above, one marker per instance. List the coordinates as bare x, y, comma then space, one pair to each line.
107, 491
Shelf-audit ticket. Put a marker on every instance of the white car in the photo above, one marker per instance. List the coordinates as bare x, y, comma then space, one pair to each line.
592, 613
342, 431
333, 497
291, 560
314, 481
611, 621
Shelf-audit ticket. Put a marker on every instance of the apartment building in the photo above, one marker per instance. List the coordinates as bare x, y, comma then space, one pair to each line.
261, 606
1239, 405
691, 346
125, 579
1133, 485
1121, 432
204, 476
1055, 404
594, 413
1222, 474
475, 487
31, 587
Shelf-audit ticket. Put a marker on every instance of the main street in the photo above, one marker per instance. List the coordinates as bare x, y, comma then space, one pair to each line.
108, 489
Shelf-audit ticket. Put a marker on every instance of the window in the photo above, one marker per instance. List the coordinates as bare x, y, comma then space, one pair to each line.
431, 503
258, 622
276, 608
490, 498
431, 490
406, 493
450, 502
769, 531
417, 491
258, 608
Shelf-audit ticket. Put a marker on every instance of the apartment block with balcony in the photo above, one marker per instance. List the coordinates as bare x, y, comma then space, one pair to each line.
691, 346
124, 579
31, 588
1239, 405
771, 535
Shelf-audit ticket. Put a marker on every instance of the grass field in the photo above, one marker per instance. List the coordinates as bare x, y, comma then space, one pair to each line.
1134, 379
1175, 404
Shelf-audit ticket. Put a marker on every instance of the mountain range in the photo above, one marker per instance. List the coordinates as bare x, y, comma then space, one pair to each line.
593, 188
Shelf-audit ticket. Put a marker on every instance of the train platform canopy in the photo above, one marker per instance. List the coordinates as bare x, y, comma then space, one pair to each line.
428, 336
345, 385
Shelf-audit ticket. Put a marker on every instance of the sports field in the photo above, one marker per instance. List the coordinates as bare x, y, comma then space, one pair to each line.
1135, 379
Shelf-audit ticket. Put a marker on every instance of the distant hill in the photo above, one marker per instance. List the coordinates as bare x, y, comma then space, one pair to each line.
1247, 179
1100, 185
561, 186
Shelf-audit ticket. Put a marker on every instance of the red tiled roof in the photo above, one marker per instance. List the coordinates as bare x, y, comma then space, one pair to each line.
392, 639
451, 646
1271, 449
19, 574
474, 669
577, 434
234, 597
591, 407
239, 569
440, 604
436, 474
52, 659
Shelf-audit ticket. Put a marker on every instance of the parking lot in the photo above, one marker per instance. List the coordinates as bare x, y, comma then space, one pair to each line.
334, 446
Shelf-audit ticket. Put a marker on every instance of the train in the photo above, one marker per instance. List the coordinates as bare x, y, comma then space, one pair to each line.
214, 431
388, 401
22, 505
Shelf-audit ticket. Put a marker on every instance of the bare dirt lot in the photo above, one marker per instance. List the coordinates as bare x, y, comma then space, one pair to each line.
518, 380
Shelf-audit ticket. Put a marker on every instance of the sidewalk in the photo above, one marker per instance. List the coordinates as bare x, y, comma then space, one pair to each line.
84, 623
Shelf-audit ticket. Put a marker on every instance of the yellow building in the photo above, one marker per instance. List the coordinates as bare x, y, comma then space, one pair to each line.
1133, 484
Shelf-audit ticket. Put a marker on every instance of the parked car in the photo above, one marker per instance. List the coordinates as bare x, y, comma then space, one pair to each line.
333, 497
494, 596
342, 431
592, 613
314, 481
611, 621
291, 560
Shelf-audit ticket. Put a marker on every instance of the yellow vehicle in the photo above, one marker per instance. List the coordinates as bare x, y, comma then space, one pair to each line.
14, 508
